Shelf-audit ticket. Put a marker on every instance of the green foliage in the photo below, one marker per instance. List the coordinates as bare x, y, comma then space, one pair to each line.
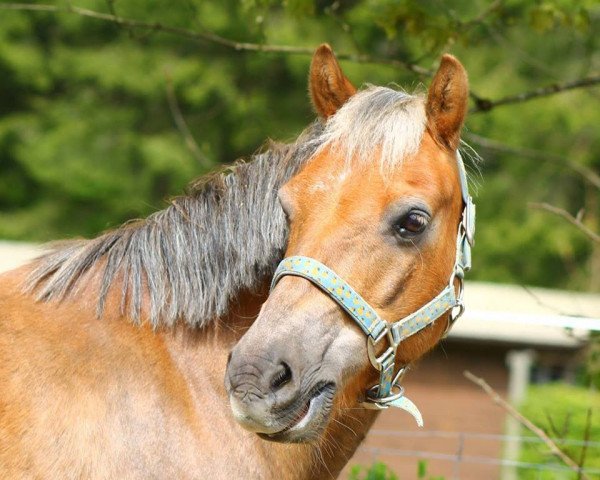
422, 472
377, 471
562, 411
88, 140
591, 372
546, 16
380, 471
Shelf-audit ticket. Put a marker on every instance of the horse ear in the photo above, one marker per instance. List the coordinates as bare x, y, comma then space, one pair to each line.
447, 101
329, 88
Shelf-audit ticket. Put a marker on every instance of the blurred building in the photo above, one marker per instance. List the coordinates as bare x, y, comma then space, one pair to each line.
14, 254
511, 336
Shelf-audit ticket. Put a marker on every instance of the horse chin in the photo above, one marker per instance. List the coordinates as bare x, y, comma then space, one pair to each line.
309, 420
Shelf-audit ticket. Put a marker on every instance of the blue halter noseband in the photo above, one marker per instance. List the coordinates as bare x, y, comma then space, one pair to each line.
389, 392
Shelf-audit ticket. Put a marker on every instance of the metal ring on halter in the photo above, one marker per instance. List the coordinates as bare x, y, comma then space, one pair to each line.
400, 375
455, 316
371, 392
377, 361
461, 291
458, 273
468, 220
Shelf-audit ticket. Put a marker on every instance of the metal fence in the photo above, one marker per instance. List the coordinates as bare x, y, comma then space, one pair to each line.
459, 459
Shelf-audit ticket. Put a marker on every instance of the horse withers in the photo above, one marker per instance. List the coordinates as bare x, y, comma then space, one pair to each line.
113, 350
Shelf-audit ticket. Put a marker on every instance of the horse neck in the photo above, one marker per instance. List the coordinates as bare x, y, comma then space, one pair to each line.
324, 459
201, 356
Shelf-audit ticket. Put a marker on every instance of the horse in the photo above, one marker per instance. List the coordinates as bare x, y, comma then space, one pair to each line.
160, 349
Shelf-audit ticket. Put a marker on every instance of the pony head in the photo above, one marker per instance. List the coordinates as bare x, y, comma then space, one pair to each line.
380, 204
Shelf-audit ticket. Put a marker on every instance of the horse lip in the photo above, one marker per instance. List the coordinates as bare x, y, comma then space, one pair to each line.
300, 427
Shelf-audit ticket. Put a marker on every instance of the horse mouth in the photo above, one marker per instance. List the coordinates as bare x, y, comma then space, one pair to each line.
309, 420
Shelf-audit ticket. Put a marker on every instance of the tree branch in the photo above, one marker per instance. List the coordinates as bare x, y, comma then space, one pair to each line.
568, 217
481, 104
485, 105
587, 173
182, 125
209, 36
543, 304
526, 423
479, 19
586, 439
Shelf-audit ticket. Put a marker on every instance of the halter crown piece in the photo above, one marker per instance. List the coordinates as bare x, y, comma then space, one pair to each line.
389, 392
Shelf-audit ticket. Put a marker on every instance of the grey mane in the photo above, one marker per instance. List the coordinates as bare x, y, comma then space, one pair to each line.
228, 234
191, 259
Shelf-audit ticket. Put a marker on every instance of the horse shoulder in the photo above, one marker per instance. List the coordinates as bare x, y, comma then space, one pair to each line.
71, 381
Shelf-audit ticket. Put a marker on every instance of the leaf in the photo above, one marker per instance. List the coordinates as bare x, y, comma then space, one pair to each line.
542, 18
421, 469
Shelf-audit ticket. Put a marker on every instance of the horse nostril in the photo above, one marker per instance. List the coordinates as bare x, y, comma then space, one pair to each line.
281, 377
229, 358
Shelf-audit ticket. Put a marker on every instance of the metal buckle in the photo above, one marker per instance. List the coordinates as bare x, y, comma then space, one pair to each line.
455, 316
378, 361
468, 221
383, 400
381, 403
457, 274
400, 375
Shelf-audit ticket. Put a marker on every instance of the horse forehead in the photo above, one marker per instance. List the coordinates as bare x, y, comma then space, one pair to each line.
430, 174
433, 175
437, 167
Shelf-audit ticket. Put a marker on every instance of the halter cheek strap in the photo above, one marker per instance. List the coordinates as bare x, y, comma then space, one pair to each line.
389, 392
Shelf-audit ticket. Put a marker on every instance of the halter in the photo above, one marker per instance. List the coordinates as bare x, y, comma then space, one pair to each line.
389, 392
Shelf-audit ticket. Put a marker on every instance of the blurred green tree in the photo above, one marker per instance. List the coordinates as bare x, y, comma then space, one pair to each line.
569, 414
111, 106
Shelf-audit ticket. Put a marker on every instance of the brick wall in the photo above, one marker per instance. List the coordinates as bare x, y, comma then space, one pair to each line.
449, 403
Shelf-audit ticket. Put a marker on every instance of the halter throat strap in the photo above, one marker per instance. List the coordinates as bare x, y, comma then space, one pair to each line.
389, 391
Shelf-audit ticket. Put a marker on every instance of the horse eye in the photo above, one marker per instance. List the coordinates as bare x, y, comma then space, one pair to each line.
412, 224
